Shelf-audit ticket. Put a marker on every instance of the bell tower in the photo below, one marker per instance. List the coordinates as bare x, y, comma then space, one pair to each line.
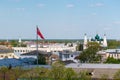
85, 42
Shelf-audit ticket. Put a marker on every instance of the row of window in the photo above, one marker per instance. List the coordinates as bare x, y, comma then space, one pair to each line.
22, 51
4, 56
67, 55
114, 55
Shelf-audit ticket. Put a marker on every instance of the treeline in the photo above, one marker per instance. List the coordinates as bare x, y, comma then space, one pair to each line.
56, 72
113, 44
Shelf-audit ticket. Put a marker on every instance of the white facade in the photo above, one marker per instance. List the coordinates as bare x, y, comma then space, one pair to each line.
115, 53
64, 56
47, 48
8, 55
28, 56
6, 52
104, 41
98, 39
85, 42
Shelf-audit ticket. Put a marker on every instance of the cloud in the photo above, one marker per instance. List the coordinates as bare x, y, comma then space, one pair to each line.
40, 5
97, 5
70, 5
116, 22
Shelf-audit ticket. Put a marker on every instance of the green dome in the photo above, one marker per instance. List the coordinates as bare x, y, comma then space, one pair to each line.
101, 39
97, 37
92, 39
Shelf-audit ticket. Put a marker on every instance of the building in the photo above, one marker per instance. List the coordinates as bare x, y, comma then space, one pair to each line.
115, 53
67, 55
46, 48
97, 38
34, 54
6, 52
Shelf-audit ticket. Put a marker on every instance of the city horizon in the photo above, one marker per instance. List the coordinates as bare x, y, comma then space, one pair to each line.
59, 19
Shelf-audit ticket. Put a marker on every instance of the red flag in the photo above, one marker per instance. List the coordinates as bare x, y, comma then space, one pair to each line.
40, 34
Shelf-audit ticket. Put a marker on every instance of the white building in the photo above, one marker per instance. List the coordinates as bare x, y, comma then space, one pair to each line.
115, 53
6, 53
67, 55
98, 39
45, 48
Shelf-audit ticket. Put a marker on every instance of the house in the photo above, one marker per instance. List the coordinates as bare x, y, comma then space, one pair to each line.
6, 52
34, 54
115, 53
68, 55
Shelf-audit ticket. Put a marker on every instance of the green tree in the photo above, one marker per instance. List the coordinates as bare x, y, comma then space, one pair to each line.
69, 74
79, 47
112, 60
15, 73
41, 59
112, 44
57, 71
83, 76
104, 77
117, 75
14, 43
89, 54
3, 70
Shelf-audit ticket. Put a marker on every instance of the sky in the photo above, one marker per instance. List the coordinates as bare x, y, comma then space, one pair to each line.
59, 19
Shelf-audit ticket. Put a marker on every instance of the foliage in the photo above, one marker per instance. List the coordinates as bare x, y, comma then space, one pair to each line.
41, 59
15, 73
3, 70
104, 77
57, 71
83, 76
89, 54
69, 74
112, 60
112, 44
117, 75
79, 47
14, 43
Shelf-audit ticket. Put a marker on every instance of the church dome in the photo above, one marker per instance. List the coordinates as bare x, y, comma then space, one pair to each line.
97, 37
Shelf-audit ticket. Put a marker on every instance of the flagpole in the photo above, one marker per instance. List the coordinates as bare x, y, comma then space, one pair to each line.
42, 37
37, 44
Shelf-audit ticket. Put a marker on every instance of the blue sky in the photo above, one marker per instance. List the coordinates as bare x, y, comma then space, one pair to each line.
59, 19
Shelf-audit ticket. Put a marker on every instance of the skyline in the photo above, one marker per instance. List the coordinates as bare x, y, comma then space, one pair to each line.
61, 19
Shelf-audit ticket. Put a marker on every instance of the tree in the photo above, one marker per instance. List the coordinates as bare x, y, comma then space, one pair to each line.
89, 54
112, 60
79, 47
41, 59
57, 71
104, 77
113, 44
69, 74
14, 43
117, 75
4, 70
83, 76
16, 72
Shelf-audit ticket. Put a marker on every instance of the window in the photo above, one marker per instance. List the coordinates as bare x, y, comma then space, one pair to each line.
66, 55
14, 50
1, 55
71, 55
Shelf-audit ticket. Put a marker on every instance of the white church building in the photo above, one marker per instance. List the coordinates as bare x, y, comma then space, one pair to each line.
97, 38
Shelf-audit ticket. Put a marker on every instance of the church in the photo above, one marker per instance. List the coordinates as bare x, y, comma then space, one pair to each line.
97, 38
